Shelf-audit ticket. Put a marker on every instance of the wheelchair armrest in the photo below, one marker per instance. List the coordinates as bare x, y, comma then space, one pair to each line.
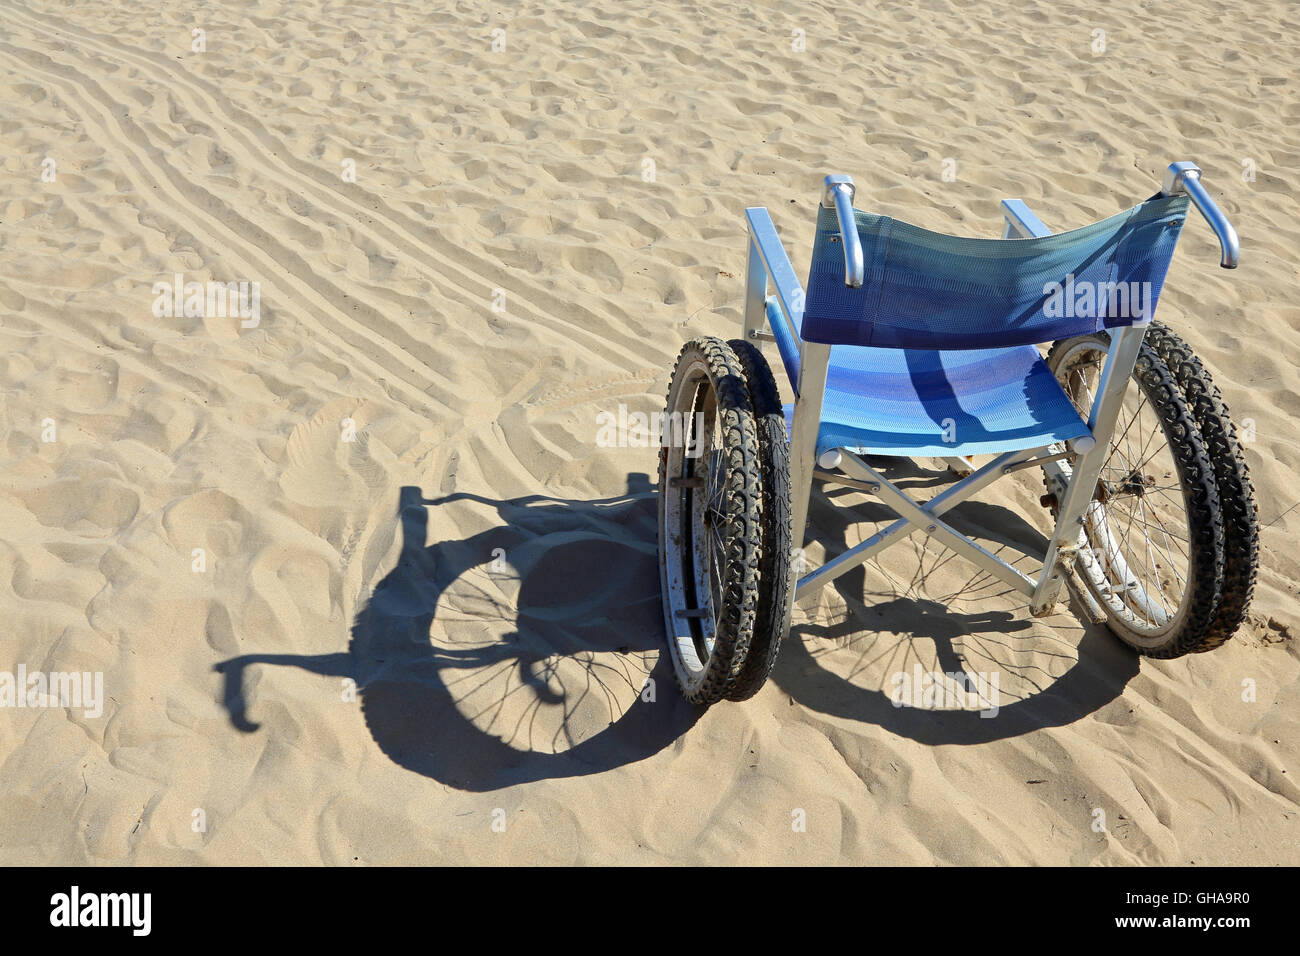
789, 292
768, 263
1021, 223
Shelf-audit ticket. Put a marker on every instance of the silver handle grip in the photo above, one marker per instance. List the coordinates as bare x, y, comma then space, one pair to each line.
1185, 177
839, 196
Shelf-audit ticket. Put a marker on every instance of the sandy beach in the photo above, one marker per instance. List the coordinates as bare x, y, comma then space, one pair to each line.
362, 584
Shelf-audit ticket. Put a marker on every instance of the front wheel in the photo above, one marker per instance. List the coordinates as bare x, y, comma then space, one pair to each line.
1151, 552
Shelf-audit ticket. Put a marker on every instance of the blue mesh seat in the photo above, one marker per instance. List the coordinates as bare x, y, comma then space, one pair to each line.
881, 401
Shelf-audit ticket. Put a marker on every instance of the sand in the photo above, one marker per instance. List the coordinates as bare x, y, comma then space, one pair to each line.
361, 583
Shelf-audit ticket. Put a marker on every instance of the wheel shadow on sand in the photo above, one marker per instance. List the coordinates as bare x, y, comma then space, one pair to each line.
1059, 670
567, 559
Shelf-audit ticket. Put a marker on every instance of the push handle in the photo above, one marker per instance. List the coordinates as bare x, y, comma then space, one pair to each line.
839, 196
1186, 178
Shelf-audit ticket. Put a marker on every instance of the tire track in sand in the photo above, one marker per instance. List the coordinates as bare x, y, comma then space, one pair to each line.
380, 222
223, 229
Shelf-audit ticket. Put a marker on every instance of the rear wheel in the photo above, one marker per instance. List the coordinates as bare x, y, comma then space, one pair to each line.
1236, 496
1151, 547
710, 520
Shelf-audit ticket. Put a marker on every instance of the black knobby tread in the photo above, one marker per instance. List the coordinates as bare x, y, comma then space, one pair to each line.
1205, 519
1236, 495
743, 505
1196, 475
776, 553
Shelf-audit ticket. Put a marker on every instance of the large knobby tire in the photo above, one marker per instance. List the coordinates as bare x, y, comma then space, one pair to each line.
1149, 603
777, 547
710, 520
1236, 496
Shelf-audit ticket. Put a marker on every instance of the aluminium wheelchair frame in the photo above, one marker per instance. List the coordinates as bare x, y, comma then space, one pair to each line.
769, 265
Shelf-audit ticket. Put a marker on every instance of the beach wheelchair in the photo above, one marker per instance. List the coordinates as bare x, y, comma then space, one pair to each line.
910, 343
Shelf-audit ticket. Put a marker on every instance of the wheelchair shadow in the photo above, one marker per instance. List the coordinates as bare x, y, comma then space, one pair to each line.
875, 631
408, 682
411, 685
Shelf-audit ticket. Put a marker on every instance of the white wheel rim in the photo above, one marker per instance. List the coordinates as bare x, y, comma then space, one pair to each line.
690, 535
1127, 542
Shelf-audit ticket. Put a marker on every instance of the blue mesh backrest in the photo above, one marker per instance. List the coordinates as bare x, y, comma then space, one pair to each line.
925, 290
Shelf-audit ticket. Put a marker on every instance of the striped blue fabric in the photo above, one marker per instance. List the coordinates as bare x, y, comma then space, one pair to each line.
925, 290
939, 403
